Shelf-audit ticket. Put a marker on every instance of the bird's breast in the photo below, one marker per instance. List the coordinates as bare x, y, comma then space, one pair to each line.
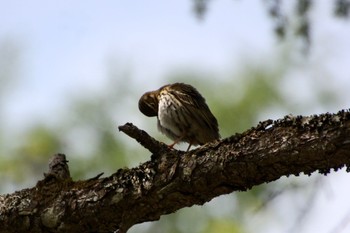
169, 118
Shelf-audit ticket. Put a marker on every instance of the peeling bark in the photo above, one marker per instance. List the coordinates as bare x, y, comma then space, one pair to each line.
174, 179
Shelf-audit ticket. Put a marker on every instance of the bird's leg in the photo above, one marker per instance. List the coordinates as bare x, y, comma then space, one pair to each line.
189, 146
176, 141
171, 146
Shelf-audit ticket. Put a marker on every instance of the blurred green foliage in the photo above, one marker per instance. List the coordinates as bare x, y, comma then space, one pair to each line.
297, 23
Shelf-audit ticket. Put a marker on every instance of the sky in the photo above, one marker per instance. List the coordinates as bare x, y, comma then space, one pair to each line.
65, 47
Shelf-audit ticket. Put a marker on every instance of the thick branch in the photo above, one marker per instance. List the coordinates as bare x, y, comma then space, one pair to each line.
174, 179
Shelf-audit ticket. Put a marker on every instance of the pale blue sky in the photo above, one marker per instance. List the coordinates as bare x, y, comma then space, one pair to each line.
65, 45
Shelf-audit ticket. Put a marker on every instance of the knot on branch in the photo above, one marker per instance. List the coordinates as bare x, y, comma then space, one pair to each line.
58, 168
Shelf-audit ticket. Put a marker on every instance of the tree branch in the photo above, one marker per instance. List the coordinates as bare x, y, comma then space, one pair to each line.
143, 138
174, 179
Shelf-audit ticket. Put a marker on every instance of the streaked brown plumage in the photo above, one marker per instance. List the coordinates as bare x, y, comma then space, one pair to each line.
182, 114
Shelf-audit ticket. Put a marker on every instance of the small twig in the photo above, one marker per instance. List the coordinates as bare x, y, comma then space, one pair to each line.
97, 176
143, 138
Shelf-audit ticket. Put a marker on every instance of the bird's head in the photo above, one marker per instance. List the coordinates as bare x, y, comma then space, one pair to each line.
148, 104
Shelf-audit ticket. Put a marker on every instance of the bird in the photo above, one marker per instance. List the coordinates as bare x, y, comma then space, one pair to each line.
182, 114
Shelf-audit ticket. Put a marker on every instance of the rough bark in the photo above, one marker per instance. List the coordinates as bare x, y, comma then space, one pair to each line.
174, 179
